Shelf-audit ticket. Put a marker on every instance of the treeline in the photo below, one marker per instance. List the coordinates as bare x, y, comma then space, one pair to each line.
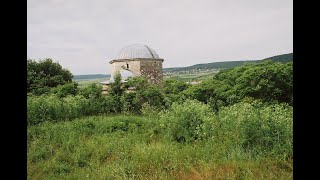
270, 82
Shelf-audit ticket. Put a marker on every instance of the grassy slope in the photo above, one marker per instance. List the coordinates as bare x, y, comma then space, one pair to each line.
92, 148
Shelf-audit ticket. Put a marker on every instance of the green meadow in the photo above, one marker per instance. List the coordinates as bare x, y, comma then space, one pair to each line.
244, 141
235, 124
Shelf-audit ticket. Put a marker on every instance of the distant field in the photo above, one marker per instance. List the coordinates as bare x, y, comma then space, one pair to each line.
90, 76
192, 76
197, 76
85, 82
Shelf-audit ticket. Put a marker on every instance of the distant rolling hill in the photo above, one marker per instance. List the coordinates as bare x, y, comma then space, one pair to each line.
284, 58
90, 76
229, 64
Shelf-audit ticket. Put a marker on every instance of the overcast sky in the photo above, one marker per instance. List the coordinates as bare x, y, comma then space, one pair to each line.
83, 36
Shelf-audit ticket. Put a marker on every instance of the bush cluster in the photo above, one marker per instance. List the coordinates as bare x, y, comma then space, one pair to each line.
267, 81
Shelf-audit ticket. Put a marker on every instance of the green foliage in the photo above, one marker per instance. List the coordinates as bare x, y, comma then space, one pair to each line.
172, 86
235, 125
138, 82
116, 86
45, 74
259, 127
116, 90
189, 122
93, 91
65, 90
124, 147
201, 92
151, 95
53, 108
149, 111
130, 103
266, 80
145, 93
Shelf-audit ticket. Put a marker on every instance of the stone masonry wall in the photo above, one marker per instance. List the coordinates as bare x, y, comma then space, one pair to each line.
152, 69
149, 68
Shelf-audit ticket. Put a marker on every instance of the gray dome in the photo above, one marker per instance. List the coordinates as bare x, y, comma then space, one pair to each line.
137, 51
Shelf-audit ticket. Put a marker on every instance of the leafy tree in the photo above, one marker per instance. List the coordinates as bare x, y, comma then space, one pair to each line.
93, 91
144, 93
172, 86
130, 103
151, 95
201, 92
115, 91
66, 89
116, 86
138, 82
43, 75
267, 80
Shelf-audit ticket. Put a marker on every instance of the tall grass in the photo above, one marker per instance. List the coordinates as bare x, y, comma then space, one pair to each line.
224, 145
53, 108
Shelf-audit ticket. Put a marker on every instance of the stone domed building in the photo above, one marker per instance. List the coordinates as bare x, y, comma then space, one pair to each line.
137, 60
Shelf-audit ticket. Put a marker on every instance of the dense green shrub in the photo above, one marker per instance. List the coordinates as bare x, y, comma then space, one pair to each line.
45, 74
93, 91
267, 80
233, 119
258, 127
129, 103
145, 93
123, 123
201, 92
54, 108
189, 122
66, 89
172, 86
151, 95
139, 82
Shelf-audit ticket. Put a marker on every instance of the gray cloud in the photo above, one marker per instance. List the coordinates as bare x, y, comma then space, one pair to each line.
84, 35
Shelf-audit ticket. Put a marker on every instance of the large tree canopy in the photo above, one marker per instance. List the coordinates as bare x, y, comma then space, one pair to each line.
45, 74
266, 80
